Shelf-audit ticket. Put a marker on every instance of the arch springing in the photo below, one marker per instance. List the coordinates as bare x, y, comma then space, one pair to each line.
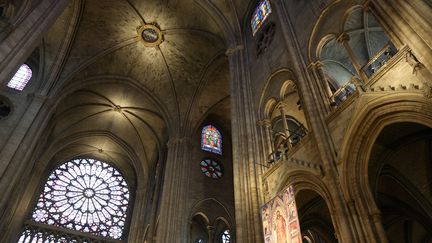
211, 139
84, 195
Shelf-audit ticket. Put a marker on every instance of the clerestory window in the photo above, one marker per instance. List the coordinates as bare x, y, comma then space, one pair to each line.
21, 78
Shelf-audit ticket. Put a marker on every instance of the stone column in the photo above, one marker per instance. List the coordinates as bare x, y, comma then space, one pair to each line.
314, 110
173, 218
285, 124
376, 219
210, 232
344, 40
269, 138
323, 84
247, 184
266, 139
26, 35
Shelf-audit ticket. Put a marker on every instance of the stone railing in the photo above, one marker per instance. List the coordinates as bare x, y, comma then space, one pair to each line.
35, 232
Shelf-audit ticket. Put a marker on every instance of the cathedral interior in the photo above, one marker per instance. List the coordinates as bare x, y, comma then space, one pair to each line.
183, 121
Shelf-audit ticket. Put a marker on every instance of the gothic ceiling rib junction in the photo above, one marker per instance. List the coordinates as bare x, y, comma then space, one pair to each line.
112, 83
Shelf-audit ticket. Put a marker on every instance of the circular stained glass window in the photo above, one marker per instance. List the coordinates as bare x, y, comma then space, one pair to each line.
86, 195
211, 169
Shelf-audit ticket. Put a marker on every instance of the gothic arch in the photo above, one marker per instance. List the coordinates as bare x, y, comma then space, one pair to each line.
199, 208
324, 26
369, 121
274, 88
302, 181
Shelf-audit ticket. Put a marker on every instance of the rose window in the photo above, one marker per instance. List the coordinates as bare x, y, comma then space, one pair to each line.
211, 169
85, 195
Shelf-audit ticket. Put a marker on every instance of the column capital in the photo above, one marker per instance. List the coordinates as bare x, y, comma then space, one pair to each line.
342, 38
264, 122
178, 140
315, 65
233, 50
281, 105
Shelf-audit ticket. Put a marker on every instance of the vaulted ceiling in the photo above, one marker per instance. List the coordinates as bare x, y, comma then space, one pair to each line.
109, 83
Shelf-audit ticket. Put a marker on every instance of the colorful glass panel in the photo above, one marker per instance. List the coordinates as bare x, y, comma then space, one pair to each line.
211, 139
261, 13
85, 195
211, 169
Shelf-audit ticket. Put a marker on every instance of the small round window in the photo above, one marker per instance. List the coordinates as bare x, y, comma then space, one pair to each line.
211, 168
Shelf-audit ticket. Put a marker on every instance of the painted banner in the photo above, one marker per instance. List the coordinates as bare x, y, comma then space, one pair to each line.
280, 219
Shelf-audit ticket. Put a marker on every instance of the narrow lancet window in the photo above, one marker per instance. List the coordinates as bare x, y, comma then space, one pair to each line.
261, 13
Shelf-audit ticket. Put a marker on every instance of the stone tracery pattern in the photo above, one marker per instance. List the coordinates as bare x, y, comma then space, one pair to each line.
211, 169
85, 195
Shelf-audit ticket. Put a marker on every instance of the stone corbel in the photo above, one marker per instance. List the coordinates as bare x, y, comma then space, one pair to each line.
413, 61
358, 84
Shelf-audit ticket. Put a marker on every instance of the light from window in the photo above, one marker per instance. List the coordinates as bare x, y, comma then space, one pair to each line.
261, 13
226, 236
21, 78
211, 139
85, 195
211, 169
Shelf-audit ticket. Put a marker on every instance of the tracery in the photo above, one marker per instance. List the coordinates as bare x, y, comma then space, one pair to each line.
84, 195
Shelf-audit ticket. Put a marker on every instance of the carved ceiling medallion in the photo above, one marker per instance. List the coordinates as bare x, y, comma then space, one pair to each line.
151, 35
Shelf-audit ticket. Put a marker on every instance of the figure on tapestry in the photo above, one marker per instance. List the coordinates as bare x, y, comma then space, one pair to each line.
280, 219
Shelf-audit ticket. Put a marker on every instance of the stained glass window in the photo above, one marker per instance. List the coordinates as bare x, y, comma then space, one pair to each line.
21, 78
261, 13
226, 236
211, 139
84, 195
211, 169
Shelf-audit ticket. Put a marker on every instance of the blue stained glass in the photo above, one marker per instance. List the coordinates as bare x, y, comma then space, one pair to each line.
211, 139
261, 13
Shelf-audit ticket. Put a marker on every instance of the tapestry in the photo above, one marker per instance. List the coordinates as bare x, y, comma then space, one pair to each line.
280, 220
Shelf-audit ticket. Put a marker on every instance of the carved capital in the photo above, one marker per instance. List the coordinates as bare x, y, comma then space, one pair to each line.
233, 50
315, 65
177, 141
413, 61
264, 123
343, 38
